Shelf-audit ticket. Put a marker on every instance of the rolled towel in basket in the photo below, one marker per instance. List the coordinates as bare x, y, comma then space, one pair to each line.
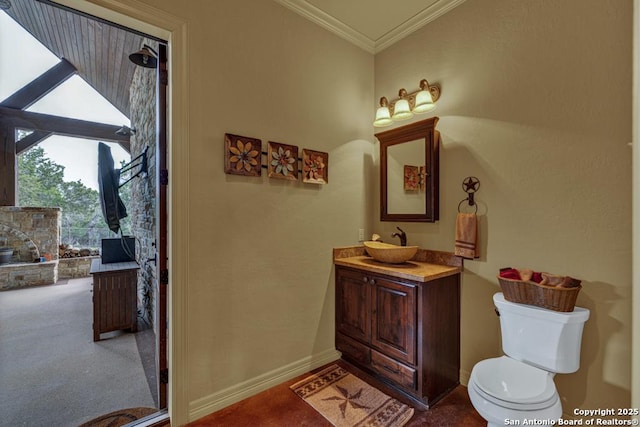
526, 274
570, 282
510, 273
559, 281
551, 279
467, 236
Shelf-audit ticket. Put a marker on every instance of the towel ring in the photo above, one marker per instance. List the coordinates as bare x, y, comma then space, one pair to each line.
475, 205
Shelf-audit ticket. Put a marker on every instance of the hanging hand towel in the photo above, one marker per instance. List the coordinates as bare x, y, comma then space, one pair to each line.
467, 236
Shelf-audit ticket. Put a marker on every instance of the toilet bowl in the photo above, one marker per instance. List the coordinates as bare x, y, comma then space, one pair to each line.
504, 389
518, 386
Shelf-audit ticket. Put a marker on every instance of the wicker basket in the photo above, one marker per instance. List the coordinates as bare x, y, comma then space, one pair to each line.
550, 297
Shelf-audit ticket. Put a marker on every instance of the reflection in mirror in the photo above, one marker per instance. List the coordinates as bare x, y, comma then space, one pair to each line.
405, 178
409, 172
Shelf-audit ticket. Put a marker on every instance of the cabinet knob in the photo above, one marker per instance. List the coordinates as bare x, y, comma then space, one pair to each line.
365, 279
372, 281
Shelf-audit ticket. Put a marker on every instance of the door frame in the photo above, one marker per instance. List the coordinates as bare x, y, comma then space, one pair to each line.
155, 22
161, 257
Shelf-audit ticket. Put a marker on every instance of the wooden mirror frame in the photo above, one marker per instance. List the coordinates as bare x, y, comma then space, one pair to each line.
424, 129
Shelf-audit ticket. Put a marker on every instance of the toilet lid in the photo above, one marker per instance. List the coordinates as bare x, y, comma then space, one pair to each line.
512, 383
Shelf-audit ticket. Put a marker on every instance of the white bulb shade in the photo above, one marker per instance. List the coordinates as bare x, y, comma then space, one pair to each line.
424, 102
401, 110
383, 117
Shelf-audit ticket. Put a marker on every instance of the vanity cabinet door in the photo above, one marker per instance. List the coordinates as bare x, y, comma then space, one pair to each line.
353, 298
394, 319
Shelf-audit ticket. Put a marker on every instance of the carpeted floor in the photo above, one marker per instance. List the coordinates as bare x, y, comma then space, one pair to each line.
51, 371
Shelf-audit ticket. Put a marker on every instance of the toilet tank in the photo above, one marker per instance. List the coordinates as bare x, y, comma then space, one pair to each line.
544, 338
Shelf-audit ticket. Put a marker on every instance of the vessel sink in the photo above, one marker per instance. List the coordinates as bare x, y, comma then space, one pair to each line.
392, 254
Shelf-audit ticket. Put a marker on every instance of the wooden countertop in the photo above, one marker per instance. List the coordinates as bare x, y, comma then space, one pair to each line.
425, 266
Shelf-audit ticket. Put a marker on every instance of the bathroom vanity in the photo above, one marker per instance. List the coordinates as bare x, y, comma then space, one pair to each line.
401, 322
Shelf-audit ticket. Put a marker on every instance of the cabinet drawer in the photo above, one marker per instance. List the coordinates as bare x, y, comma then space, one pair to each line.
393, 370
353, 349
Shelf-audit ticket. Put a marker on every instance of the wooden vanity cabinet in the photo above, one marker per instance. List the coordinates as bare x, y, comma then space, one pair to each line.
403, 332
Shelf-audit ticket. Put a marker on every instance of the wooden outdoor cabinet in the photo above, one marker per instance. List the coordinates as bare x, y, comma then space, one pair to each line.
115, 297
405, 333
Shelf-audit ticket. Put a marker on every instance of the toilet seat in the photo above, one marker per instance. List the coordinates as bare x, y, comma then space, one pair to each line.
513, 384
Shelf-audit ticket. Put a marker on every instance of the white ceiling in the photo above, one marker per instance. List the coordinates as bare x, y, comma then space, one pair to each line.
371, 24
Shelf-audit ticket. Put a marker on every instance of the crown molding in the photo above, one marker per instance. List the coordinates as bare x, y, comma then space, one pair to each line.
330, 23
434, 11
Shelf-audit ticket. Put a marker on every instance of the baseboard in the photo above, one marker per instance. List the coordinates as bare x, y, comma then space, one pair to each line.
464, 377
216, 401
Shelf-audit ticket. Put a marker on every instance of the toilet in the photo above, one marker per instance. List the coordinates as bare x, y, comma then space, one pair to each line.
538, 343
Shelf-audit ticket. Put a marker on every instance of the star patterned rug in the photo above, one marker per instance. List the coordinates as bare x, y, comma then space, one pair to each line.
347, 401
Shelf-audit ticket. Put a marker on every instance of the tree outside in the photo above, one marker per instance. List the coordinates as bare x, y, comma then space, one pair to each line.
41, 184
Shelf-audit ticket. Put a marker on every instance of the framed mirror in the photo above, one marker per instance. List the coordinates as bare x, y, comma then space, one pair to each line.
409, 172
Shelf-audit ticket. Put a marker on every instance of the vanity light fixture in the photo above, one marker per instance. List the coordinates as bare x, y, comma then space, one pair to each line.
403, 108
383, 115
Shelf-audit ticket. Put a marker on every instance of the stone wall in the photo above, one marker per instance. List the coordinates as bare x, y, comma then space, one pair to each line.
143, 191
31, 232
14, 276
73, 268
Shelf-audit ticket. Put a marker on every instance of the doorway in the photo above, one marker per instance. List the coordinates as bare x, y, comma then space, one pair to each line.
152, 254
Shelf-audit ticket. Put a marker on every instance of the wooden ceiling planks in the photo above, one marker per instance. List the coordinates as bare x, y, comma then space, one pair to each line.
99, 51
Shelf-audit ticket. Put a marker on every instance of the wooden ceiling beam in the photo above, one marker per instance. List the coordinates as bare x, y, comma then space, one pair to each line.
40, 86
64, 126
8, 165
31, 140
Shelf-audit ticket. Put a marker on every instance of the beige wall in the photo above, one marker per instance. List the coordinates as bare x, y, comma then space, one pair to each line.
536, 103
260, 291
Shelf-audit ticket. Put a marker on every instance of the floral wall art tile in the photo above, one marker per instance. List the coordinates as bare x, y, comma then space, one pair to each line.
315, 167
242, 155
282, 161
